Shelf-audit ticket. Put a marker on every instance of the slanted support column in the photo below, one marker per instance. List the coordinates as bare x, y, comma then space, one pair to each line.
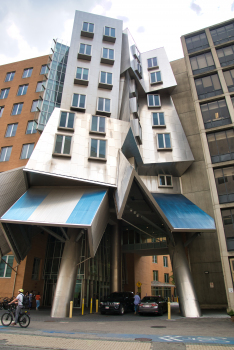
67, 276
115, 267
184, 284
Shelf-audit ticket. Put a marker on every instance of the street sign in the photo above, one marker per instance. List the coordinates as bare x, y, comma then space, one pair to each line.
139, 284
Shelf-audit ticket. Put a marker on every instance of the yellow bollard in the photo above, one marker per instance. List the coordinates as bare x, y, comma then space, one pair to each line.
97, 305
91, 305
82, 313
71, 308
169, 309
168, 299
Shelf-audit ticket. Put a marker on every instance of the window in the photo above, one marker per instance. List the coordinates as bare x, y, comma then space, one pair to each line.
224, 178
153, 101
165, 261
22, 90
11, 130
166, 277
67, 120
165, 181
5, 270
215, 114
229, 78
104, 105
202, 63
44, 69
10, 76
36, 106
1, 110
221, 146
36, 268
158, 119
27, 73
105, 80
40, 86
208, 86
223, 34
155, 259
164, 141
155, 77
82, 73
98, 124
228, 222
155, 275
107, 56
31, 127
98, 148
152, 62
196, 42
27, 151
110, 31
226, 56
138, 69
88, 27
63, 145
78, 102
85, 52
5, 154
17, 108
4, 93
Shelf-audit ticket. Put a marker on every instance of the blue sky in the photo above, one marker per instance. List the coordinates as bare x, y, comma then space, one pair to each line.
27, 27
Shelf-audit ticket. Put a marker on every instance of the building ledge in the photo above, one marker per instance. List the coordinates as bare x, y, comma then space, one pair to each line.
87, 34
107, 61
98, 159
109, 38
79, 109
81, 82
59, 155
82, 56
105, 86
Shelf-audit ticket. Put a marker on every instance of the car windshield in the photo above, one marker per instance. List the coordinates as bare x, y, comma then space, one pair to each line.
149, 300
116, 296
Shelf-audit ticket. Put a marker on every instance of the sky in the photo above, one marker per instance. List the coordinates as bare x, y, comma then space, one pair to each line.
28, 27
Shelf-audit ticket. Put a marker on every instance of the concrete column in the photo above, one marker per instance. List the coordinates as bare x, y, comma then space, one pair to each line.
115, 266
65, 287
184, 284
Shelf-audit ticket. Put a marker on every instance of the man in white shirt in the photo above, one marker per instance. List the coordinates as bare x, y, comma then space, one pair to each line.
137, 300
19, 301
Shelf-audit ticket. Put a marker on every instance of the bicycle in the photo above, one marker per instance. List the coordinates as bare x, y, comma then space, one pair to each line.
7, 317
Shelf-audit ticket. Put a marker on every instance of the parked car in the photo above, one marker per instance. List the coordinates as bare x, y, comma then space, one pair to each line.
118, 302
152, 304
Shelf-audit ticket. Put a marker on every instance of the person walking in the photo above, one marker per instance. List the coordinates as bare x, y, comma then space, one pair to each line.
38, 298
19, 301
137, 300
30, 299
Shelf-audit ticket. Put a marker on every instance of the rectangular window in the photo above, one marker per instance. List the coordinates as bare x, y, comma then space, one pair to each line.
158, 119
44, 69
36, 106
63, 144
228, 222
40, 86
82, 73
98, 148
22, 90
152, 62
5, 270
67, 120
164, 141
223, 34
88, 27
226, 56
155, 259
221, 146
17, 108
4, 93
36, 269
166, 277
85, 49
155, 275
106, 78
110, 32
202, 63
208, 86
108, 53
165, 181
10, 76
5, 154
215, 114
155, 77
31, 127
27, 151
165, 261
153, 101
78, 101
98, 124
11, 130
196, 42
103, 105
1, 110
27, 73
224, 179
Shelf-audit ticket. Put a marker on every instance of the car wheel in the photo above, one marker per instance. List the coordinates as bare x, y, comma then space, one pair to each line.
121, 310
160, 312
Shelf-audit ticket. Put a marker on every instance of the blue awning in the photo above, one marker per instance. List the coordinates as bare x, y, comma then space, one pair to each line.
182, 214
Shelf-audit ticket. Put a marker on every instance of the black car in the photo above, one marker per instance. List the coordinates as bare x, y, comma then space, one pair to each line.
118, 302
152, 304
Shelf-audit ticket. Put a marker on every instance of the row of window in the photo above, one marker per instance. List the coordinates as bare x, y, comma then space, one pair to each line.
165, 260
7, 262
22, 90
25, 152
85, 52
26, 73
17, 108
155, 276
88, 30
11, 129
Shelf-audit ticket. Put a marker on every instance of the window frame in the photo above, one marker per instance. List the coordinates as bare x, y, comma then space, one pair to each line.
46, 70
29, 70
104, 112
152, 67
98, 124
154, 106
158, 125
6, 260
55, 154
37, 107
81, 81
98, 148
165, 180
6, 147
205, 69
85, 56
165, 261
30, 133
154, 257
23, 87
10, 76
155, 275
109, 38
6, 92
1, 110
27, 152
166, 277
42, 86
105, 85
12, 129
18, 107
78, 108
156, 81
108, 60
67, 117
208, 94
87, 33
164, 142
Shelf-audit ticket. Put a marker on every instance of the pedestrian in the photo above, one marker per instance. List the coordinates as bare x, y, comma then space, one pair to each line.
19, 301
38, 298
27, 299
137, 300
30, 300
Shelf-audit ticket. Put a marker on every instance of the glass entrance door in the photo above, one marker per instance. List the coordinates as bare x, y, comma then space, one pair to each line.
78, 294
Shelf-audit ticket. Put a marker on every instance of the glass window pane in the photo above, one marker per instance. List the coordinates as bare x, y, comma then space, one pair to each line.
14, 129
160, 141
88, 49
149, 63
105, 53
109, 78
107, 105
161, 118
79, 73
103, 77
162, 180
156, 100
152, 77
151, 100
94, 124
82, 101
101, 104
91, 27
93, 151
85, 73
154, 59
111, 54
63, 119
113, 32
102, 124
58, 146
30, 149
82, 48
107, 31
102, 148
75, 100
167, 141
155, 119
70, 122
85, 26
67, 145
158, 76
168, 180
201, 60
